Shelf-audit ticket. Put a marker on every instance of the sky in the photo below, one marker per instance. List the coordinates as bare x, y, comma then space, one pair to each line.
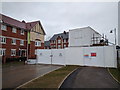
57, 17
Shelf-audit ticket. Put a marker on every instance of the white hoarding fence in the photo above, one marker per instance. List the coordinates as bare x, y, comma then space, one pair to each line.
51, 56
100, 56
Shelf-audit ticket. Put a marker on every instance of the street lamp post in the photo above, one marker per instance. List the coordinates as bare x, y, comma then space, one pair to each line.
115, 34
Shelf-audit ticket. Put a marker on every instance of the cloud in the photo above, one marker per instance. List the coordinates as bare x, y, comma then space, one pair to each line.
59, 16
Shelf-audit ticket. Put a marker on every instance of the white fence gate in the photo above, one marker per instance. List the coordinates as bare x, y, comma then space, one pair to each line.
51, 56
100, 56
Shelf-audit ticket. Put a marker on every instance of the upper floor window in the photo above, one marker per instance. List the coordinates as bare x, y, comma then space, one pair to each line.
22, 32
21, 42
37, 43
13, 52
3, 40
13, 41
2, 52
14, 30
64, 40
3, 27
59, 41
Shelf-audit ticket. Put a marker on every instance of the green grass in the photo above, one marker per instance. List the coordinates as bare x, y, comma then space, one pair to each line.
15, 63
52, 79
115, 72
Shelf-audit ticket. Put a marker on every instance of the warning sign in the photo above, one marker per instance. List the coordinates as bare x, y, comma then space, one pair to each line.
93, 54
86, 55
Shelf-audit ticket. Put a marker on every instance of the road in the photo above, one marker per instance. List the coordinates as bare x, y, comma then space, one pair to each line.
14, 76
90, 77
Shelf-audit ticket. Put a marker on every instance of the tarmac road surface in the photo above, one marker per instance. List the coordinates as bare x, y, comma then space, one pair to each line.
14, 76
90, 77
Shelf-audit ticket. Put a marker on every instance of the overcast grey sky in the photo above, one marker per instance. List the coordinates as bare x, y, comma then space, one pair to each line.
57, 17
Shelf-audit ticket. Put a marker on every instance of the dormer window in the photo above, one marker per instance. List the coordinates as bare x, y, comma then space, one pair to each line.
3, 27
14, 30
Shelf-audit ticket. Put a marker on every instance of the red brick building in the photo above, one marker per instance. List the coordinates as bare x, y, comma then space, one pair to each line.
14, 38
59, 41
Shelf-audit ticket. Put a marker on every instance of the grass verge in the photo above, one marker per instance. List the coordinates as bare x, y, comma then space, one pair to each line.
52, 79
116, 73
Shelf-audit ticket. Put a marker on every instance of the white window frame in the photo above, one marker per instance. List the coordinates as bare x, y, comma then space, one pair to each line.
59, 41
3, 27
37, 43
65, 45
2, 51
2, 40
22, 42
13, 43
14, 30
13, 52
65, 40
59, 46
22, 32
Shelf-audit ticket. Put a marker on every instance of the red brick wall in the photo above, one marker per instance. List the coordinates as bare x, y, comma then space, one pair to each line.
56, 43
32, 48
8, 46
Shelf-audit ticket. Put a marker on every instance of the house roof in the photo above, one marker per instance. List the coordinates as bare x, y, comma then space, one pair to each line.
63, 35
12, 21
30, 25
47, 43
23, 24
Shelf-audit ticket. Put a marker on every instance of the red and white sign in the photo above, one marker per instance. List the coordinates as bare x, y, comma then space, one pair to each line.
93, 54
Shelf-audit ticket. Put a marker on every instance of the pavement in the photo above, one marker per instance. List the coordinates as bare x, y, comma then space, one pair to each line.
14, 76
90, 77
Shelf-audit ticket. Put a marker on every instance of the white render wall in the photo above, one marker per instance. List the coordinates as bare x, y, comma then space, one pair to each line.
82, 36
105, 56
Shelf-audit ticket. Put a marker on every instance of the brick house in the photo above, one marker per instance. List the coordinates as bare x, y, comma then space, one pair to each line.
59, 41
47, 45
14, 38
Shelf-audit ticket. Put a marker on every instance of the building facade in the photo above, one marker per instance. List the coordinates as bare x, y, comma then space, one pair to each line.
47, 45
59, 41
14, 38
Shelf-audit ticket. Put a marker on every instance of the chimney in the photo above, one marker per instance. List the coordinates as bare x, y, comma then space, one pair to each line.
23, 21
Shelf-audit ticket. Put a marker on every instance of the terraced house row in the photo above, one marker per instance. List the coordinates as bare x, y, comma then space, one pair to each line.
20, 38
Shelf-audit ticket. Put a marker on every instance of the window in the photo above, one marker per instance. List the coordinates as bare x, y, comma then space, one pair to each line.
37, 43
64, 45
13, 41
3, 40
14, 30
59, 41
64, 40
59, 46
2, 52
21, 42
3, 27
13, 52
22, 32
